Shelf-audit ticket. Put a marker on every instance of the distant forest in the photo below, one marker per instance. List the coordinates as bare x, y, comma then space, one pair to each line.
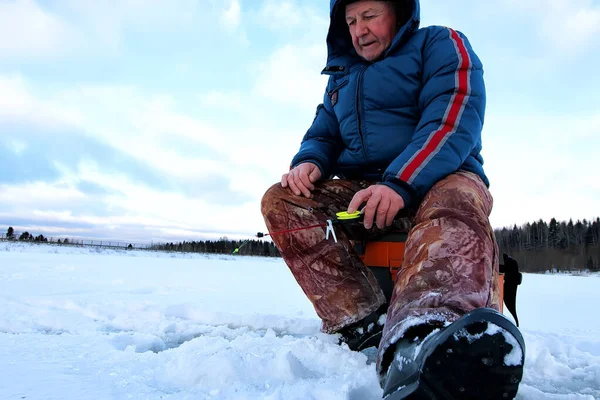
555, 246
537, 247
223, 246
220, 246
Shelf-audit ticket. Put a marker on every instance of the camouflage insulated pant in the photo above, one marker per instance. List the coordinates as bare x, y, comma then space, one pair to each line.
450, 264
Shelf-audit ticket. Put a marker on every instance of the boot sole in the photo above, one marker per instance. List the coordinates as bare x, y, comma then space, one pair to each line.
461, 362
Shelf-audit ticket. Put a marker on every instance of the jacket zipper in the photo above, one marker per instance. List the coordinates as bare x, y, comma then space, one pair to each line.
358, 108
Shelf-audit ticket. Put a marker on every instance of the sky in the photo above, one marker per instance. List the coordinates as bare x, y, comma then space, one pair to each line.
150, 325
162, 120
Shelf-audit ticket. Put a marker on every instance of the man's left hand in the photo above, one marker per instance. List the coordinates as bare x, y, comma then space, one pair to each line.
383, 203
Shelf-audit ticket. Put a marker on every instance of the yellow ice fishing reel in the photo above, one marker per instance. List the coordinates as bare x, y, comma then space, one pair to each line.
344, 216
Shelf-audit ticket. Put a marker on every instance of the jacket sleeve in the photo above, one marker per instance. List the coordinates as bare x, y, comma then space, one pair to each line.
452, 104
322, 143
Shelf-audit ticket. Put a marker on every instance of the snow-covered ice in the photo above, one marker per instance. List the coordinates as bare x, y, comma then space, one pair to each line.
81, 323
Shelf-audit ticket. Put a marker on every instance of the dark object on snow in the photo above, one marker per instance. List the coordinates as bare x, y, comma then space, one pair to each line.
512, 279
473, 358
366, 332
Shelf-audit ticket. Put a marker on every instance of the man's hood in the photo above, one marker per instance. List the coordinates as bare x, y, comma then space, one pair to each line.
339, 43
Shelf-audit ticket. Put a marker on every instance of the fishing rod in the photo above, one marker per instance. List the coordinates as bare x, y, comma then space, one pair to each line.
342, 217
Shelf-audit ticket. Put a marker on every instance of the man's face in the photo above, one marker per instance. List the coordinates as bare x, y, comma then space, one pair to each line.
372, 26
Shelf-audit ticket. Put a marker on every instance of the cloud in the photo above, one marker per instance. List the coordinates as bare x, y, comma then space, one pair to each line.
148, 146
105, 22
117, 203
289, 15
568, 25
30, 30
223, 100
579, 28
30, 225
292, 76
17, 103
49, 153
135, 208
542, 166
232, 16
38, 136
281, 14
117, 147
120, 231
26, 30
124, 148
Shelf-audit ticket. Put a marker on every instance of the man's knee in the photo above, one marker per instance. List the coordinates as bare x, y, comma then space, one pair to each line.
463, 193
271, 196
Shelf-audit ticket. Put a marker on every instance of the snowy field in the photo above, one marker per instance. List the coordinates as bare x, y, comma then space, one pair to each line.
99, 324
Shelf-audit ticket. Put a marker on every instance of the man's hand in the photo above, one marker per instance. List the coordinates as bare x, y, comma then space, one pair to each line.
382, 202
301, 179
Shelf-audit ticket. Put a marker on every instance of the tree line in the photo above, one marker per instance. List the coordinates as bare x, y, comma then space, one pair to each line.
537, 247
554, 246
24, 237
223, 246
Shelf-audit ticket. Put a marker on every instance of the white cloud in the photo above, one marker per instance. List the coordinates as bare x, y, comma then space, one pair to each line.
143, 126
16, 145
126, 205
281, 14
135, 206
251, 141
542, 167
140, 125
26, 30
31, 194
14, 96
579, 28
103, 23
223, 100
232, 16
17, 102
567, 25
75, 26
289, 14
292, 76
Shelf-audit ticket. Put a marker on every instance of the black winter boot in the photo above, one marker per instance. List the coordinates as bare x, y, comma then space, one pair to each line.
366, 332
480, 356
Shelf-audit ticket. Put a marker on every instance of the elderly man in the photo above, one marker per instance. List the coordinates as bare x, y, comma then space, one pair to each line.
400, 126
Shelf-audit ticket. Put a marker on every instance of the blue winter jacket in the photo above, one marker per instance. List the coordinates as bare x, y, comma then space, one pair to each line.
406, 120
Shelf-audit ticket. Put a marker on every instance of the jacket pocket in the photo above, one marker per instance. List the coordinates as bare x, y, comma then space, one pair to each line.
333, 93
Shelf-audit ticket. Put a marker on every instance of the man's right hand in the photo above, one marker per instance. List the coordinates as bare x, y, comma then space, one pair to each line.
301, 179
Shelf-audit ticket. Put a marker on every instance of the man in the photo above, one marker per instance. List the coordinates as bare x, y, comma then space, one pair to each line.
400, 125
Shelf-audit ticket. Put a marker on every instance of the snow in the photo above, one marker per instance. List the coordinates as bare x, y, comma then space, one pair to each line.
514, 357
81, 323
